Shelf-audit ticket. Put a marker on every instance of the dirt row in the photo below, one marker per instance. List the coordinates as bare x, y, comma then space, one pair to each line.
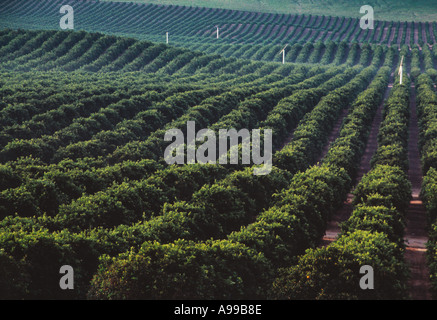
415, 231
333, 227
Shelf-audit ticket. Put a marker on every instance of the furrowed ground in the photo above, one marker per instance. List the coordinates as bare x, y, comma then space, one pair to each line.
407, 10
195, 27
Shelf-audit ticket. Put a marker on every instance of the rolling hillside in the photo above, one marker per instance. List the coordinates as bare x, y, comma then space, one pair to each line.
236, 28
409, 10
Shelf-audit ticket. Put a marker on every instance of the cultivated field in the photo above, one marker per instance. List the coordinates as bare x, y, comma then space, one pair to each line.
406, 10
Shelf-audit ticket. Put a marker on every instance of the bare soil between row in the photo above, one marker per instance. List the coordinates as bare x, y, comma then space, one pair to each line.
415, 231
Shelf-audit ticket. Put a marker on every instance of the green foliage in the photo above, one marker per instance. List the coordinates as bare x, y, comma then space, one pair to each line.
426, 107
83, 181
376, 219
428, 193
35, 258
14, 280
392, 155
373, 234
182, 270
312, 131
389, 182
333, 272
298, 216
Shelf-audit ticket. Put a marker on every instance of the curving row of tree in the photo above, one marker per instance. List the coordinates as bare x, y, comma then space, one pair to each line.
277, 236
426, 108
154, 203
372, 235
92, 52
83, 181
188, 24
310, 136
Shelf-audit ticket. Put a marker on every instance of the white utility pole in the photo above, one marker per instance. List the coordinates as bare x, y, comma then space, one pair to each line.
283, 54
166, 35
217, 31
400, 70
